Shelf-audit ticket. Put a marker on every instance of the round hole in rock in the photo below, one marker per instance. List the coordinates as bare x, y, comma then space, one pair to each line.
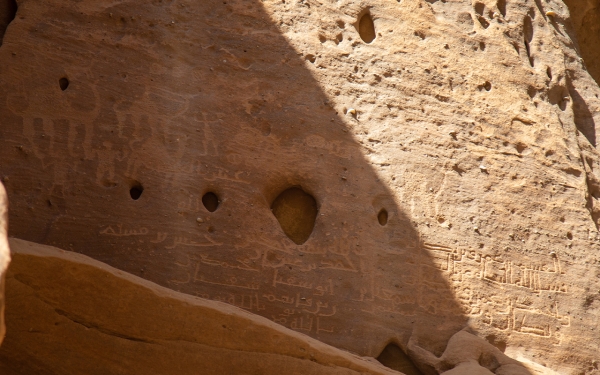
296, 212
136, 191
487, 86
366, 28
382, 217
393, 357
210, 201
63, 83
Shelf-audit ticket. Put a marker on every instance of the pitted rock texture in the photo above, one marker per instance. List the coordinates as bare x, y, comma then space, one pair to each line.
69, 314
449, 147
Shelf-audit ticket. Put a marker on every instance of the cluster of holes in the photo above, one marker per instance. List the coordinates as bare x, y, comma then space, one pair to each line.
210, 200
487, 86
295, 210
480, 9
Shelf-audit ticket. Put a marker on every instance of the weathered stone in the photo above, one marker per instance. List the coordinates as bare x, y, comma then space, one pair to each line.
4, 255
450, 148
70, 314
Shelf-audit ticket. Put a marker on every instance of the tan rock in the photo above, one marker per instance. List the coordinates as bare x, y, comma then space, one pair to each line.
70, 314
450, 148
466, 354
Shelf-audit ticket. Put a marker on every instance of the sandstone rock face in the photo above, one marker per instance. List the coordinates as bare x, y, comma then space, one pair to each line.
70, 314
4, 255
372, 174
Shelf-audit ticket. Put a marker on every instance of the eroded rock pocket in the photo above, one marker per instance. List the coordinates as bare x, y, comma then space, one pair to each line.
210, 201
393, 357
366, 28
136, 190
296, 212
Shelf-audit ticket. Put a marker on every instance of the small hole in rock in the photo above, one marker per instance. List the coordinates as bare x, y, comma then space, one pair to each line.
487, 86
393, 357
63, 83
136, 191
382, 217
569, 235
296, 212
484, 23
311, 58
549, 72
482, 46
210, 201
479, 8
366, 28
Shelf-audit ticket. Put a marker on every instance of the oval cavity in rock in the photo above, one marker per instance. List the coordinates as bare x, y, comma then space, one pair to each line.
136, 191
296, 212
382, 217
63, 83
210, 201
366, 28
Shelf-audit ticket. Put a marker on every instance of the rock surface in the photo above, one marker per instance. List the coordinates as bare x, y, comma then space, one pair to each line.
70, 314
4, 255
449, 148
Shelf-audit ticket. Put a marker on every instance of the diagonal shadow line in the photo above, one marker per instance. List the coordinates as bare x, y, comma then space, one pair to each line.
184, 99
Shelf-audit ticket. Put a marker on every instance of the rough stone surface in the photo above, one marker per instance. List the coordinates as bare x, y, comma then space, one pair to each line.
450, 147
4, 255
70, 314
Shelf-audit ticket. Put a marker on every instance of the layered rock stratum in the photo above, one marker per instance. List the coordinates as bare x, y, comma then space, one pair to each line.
378, 175
69, 314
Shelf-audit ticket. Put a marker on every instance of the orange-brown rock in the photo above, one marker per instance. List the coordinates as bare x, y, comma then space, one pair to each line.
69, 314
370, 173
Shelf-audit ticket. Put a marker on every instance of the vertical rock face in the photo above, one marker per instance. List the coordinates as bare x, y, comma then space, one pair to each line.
439, 160
4, 255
